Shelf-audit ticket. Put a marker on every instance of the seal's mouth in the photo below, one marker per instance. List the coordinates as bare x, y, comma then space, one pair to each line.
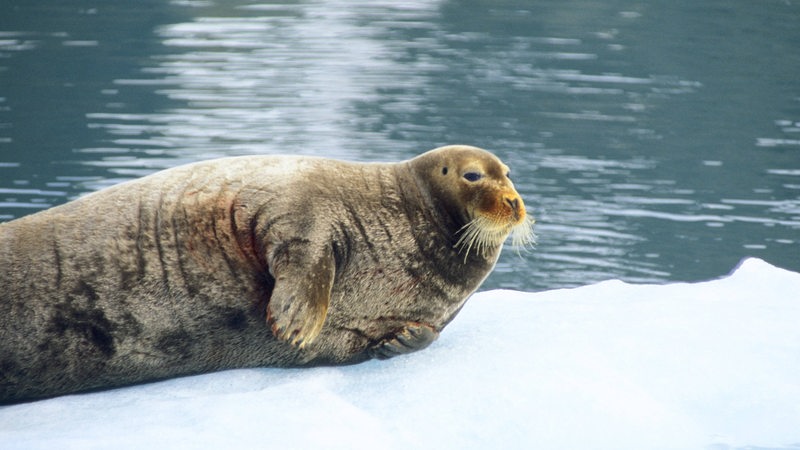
522, 233
489, 228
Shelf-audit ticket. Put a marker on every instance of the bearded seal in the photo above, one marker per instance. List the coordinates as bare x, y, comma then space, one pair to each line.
250, 261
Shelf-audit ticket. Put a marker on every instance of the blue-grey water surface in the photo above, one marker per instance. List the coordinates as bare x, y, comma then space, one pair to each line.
653, 141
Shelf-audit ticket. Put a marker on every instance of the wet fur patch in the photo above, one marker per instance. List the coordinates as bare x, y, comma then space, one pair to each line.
88, 325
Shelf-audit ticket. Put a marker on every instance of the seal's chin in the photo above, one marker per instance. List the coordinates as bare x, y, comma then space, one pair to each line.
485, 235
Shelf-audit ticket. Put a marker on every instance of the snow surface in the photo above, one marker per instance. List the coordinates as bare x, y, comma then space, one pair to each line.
712, 365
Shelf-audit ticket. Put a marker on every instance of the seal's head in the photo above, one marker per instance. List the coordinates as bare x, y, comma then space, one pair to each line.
474, 188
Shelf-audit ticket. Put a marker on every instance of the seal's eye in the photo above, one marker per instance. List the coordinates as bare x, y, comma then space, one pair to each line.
444, 170
472, 176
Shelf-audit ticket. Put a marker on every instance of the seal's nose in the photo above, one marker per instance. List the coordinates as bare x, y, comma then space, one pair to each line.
516, 207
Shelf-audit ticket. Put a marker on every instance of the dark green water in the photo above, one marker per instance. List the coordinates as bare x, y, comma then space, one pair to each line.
653, 141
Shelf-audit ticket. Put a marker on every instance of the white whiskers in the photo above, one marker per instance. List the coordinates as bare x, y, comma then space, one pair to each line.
484, 236
522, 236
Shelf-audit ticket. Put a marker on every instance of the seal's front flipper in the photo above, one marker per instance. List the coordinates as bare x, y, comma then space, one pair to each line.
415, 336
299, 302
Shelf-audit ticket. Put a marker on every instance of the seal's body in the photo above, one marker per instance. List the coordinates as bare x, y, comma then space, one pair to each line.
247, 261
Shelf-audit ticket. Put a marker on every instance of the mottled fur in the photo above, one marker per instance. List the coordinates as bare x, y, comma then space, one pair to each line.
242, 262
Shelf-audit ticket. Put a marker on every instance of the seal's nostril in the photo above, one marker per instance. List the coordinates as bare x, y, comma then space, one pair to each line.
513, 202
